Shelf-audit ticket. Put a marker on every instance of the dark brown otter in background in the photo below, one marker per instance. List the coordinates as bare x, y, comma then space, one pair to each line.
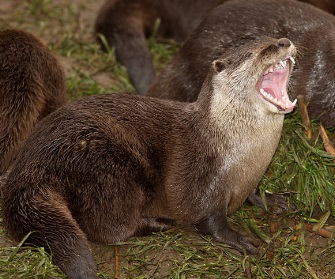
126, 24
109, 167
239, 21
32, 85
326, 5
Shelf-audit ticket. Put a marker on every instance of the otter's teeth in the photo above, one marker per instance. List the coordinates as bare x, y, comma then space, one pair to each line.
268, 95
280, 65
292, 60
283, 63
276, 101
285, 98
265, 93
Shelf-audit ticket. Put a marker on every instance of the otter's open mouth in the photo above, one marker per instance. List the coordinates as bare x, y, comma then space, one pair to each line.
273, 85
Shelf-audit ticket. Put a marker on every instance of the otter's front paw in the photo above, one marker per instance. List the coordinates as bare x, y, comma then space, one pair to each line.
218, 227
276, 202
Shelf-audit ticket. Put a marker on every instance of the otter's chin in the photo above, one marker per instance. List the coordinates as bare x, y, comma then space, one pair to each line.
272, 87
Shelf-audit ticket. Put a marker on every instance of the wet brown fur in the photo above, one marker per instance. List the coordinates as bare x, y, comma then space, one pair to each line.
236, 22
32, 85
126, 24
109, 167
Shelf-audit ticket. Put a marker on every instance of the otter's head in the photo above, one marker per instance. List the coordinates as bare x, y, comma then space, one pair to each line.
257, 74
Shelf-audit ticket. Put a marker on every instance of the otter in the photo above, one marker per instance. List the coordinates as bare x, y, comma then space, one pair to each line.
127, 24
326, 5
112, 166
237, 22
32, 85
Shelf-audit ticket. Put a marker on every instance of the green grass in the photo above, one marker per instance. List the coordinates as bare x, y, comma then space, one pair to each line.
300, 168
27, 262
303, 168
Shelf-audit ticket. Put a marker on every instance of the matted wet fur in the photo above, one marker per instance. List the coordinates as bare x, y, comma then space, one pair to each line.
126, 25
239, 21
32, 85
109, 167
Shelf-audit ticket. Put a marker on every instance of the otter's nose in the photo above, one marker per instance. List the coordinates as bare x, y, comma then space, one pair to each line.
284, 42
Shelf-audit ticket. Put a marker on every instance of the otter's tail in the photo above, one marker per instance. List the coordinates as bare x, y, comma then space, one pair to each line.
46, 215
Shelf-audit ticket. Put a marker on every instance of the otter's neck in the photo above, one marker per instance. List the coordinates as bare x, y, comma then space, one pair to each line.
226, 114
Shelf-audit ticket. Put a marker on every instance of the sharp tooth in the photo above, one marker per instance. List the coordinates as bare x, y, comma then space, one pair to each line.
264, 93
294, 102
292, 60
285, 98
283, 63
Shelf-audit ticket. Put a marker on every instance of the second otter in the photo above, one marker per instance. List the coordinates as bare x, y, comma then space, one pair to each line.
127, 24
109, 167
32, 85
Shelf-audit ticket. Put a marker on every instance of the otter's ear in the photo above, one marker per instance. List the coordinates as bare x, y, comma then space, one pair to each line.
219, 66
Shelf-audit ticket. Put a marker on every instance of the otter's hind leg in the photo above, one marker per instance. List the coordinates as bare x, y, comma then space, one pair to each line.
45, 214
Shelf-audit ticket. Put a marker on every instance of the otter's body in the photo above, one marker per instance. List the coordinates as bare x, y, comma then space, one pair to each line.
239, 21
32, 85
326, 5
109, 167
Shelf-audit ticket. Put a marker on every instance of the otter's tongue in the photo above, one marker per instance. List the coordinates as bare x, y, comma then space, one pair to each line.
273, 87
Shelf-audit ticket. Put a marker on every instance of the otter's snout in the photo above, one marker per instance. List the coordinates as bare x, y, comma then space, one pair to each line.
284, 42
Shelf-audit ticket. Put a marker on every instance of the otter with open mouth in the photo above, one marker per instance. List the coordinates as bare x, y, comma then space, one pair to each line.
109, 167
237, 22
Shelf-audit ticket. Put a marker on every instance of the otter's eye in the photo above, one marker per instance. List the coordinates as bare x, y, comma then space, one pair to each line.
232, 60
219, 66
